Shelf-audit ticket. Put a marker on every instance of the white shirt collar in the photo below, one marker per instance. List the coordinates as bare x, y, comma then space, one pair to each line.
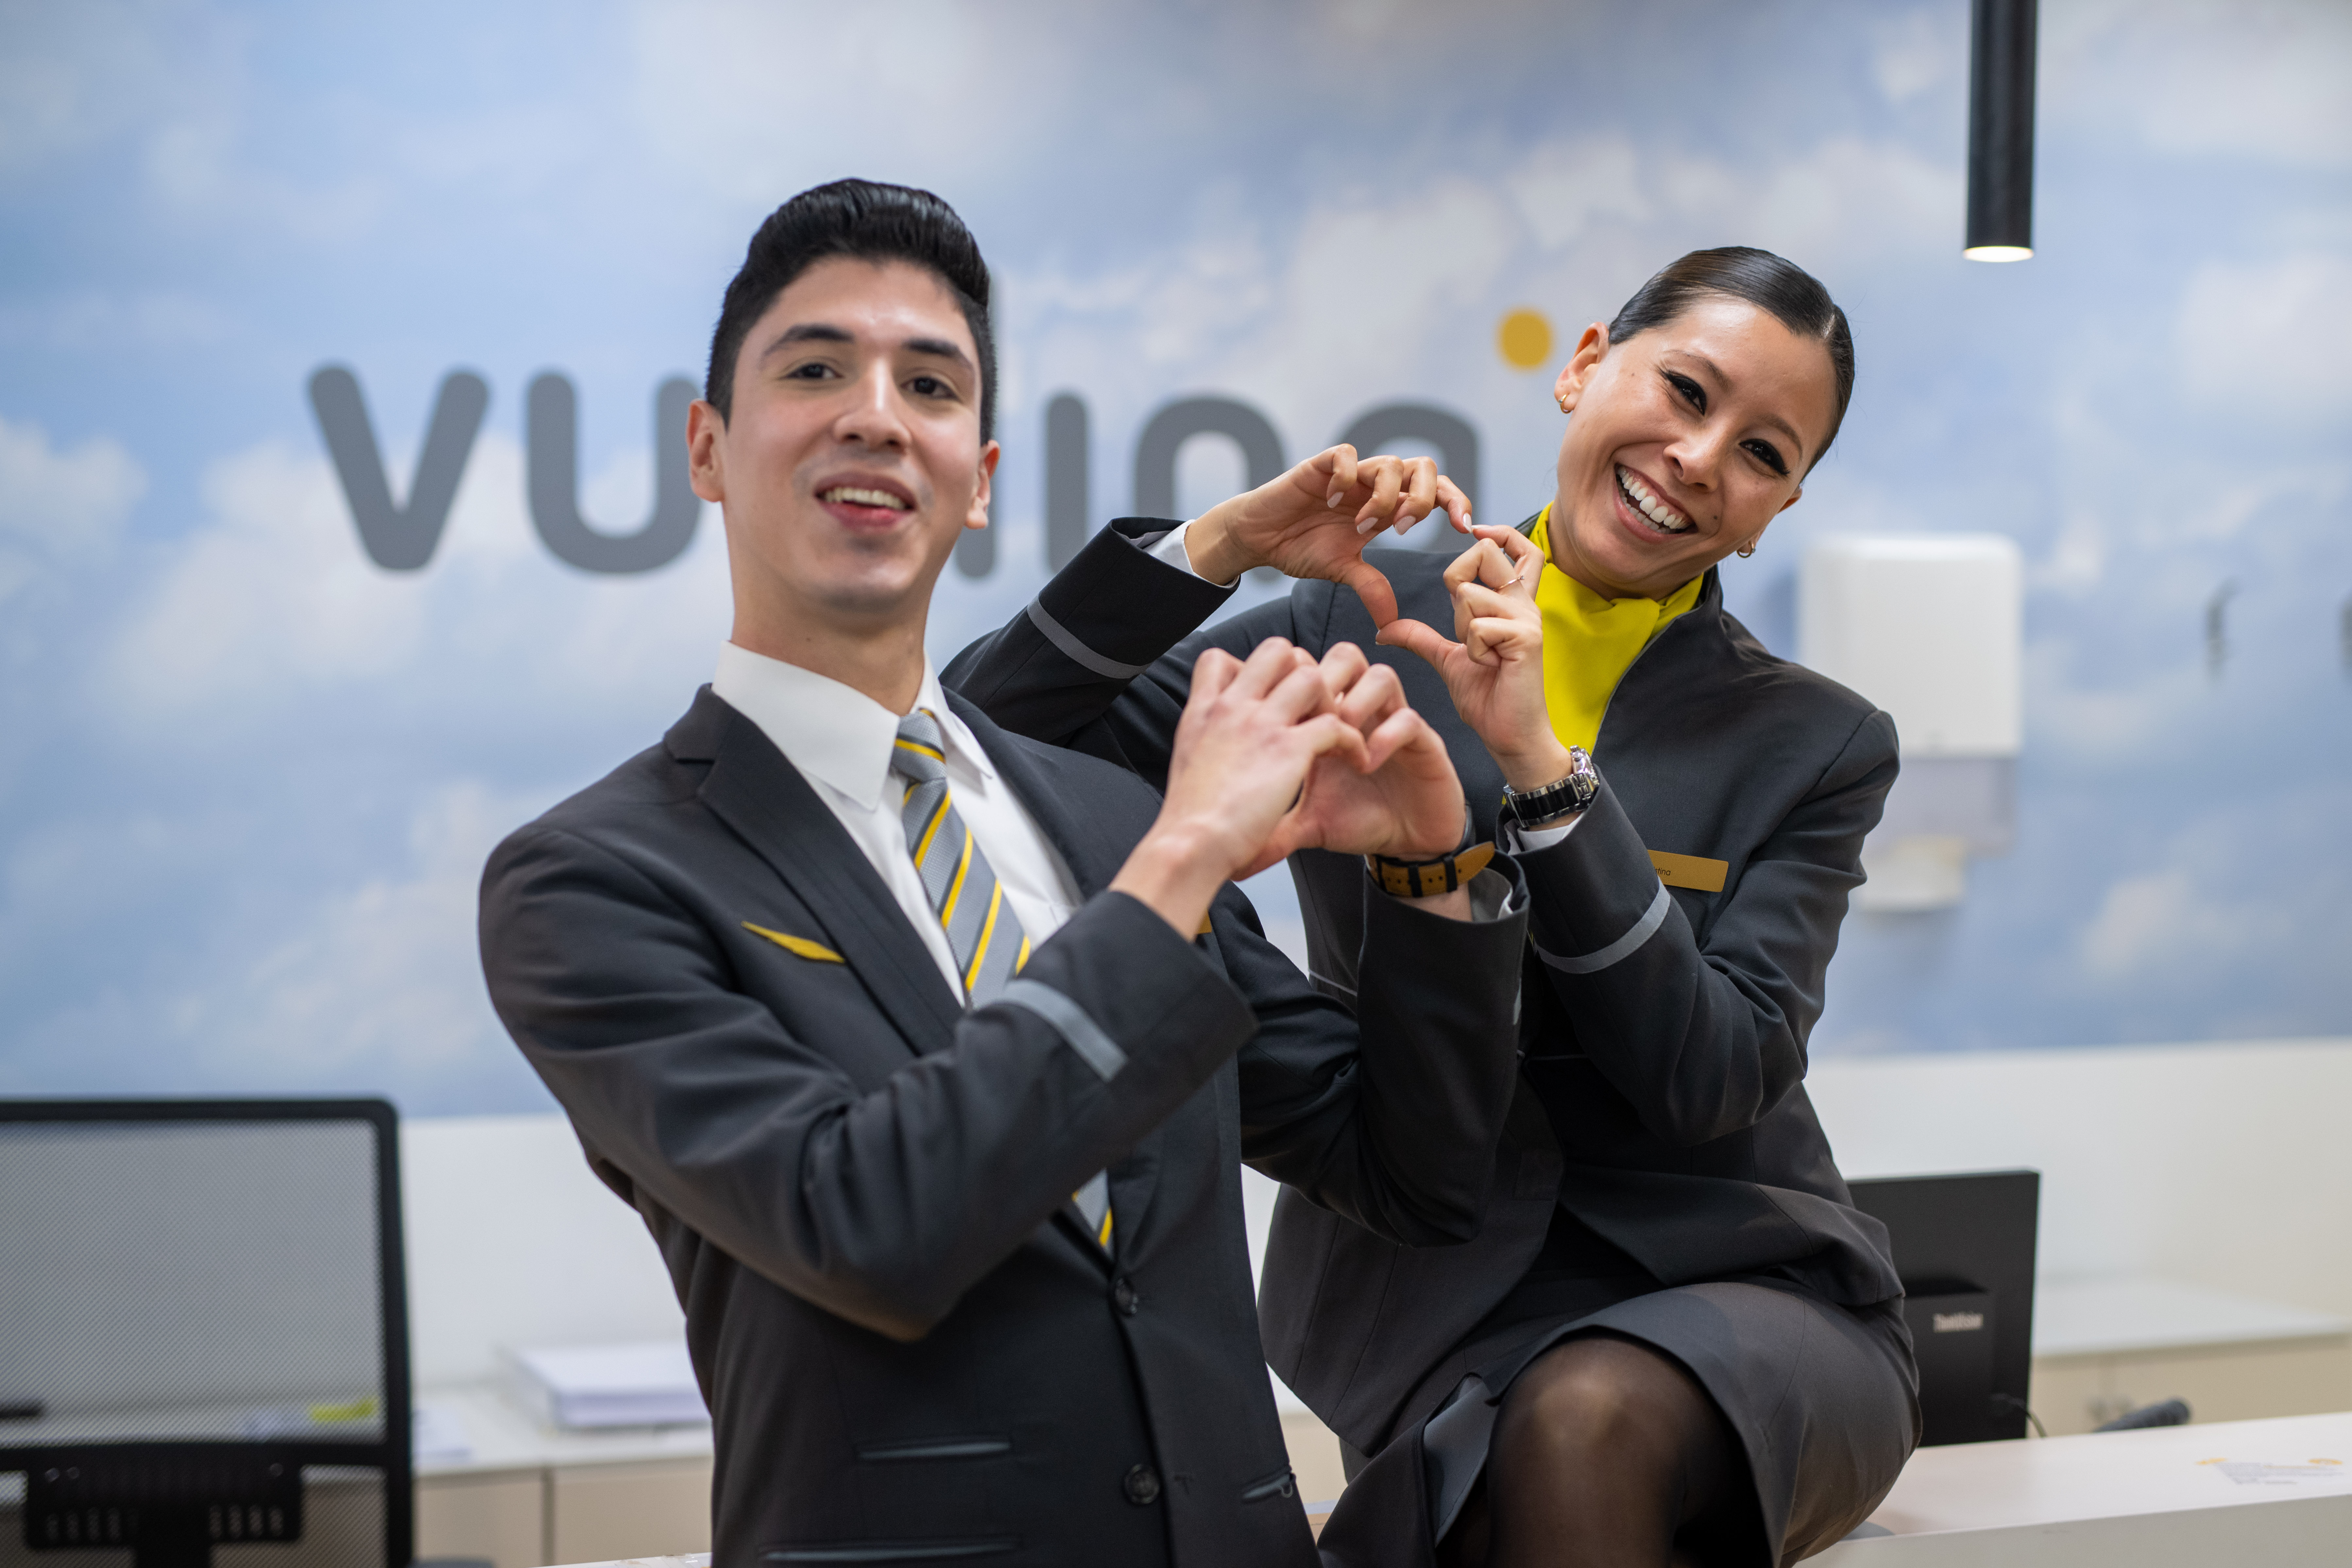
831, 732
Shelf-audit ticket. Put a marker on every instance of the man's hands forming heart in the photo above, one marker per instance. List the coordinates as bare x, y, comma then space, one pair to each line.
1280, 752
1403, 798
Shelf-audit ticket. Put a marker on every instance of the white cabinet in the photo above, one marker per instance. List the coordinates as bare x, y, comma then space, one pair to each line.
601, 1512
524, 1496
499, 1517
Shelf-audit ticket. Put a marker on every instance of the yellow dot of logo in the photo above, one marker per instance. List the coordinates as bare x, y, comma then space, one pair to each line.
1524, 340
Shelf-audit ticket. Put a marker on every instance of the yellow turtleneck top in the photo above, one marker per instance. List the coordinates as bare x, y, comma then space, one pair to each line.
1590, 642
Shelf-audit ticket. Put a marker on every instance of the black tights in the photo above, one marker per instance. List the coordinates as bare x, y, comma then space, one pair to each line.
1609, 1453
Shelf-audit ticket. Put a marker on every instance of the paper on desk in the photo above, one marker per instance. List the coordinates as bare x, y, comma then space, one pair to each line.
642, 1383
2301, 1475
441, 1436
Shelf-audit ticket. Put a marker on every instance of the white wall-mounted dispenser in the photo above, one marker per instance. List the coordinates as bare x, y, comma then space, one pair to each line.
1929, 626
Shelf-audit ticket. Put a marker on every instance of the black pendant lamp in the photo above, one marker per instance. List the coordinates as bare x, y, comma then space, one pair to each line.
2000, 131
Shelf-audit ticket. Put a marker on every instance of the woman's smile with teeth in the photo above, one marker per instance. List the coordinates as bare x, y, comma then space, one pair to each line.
852, 495
1640, 497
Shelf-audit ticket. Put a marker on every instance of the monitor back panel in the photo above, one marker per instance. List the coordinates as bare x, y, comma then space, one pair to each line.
1964, 1246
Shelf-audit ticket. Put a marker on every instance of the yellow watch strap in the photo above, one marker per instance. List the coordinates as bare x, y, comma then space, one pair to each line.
1428, 879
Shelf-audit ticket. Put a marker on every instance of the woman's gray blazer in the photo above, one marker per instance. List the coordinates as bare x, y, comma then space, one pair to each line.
1692, 1144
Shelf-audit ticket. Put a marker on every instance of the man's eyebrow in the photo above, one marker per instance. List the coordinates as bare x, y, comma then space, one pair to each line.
806, 332
822, 332
939, 348
1724, 382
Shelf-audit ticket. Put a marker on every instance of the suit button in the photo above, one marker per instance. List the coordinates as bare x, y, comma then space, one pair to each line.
1141, 1486
1123, 1297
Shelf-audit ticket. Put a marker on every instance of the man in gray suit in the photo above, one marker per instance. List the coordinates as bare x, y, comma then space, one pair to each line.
928, 1053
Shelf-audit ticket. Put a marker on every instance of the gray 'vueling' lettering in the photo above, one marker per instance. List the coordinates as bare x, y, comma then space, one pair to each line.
552, 428
403, 538
398, 539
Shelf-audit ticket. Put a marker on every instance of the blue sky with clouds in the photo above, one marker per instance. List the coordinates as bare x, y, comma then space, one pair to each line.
247, 779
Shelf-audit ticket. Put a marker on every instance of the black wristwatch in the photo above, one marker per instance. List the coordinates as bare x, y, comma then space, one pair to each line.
1564, 797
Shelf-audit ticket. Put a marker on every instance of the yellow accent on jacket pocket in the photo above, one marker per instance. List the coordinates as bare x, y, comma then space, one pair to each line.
1690, 871
798, 946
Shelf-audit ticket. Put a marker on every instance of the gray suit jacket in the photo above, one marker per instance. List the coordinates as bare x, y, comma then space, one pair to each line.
909, 1351
1665, 1028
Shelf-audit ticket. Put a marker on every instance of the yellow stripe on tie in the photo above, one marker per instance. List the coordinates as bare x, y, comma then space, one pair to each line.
1023, 956
931, 752
1102, 1237
932, 830
798, 946
955, 888
987, 930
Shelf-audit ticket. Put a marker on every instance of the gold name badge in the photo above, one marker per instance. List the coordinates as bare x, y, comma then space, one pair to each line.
1690, 871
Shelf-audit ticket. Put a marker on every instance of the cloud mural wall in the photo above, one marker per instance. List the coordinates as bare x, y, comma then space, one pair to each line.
247, 777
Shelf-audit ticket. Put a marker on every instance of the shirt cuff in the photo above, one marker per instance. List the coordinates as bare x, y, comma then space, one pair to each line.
1494, 897
1517, 840
1168, 550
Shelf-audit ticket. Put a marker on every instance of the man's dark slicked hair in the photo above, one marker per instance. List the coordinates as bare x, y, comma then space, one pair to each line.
869, 222
1773, 284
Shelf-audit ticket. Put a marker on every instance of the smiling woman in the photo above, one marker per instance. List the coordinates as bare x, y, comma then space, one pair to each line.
1701, 430
1674, 1337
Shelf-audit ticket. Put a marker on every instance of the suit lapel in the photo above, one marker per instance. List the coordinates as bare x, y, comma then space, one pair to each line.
1033, 772
764, 800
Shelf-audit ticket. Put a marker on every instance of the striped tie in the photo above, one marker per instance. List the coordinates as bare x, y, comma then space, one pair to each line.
984, 934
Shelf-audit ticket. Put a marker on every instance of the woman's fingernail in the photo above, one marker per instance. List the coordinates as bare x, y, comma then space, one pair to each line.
1333, 499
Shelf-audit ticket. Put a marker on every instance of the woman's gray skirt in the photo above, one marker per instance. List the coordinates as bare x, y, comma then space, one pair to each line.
1824, 1399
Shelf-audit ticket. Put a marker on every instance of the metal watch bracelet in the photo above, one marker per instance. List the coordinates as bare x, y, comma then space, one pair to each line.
1565, 796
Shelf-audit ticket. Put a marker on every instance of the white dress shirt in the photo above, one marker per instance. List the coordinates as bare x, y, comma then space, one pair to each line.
1168, 550
840, 740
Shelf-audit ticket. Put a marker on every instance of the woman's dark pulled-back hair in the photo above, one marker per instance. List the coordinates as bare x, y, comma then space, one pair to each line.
1791, 295
869, 222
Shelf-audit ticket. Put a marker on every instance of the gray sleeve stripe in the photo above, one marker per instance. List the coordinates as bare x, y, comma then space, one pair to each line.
1062, 637
1069, 1020
1623, 948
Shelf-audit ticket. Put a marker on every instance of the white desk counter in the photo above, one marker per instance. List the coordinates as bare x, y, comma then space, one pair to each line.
525, 1494
2275, 1492
501, 1435
2278, 1493
2133, 1314
2104, 1346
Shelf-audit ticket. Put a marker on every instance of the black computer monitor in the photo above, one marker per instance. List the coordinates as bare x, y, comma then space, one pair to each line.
1963, 1247
203, 1337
